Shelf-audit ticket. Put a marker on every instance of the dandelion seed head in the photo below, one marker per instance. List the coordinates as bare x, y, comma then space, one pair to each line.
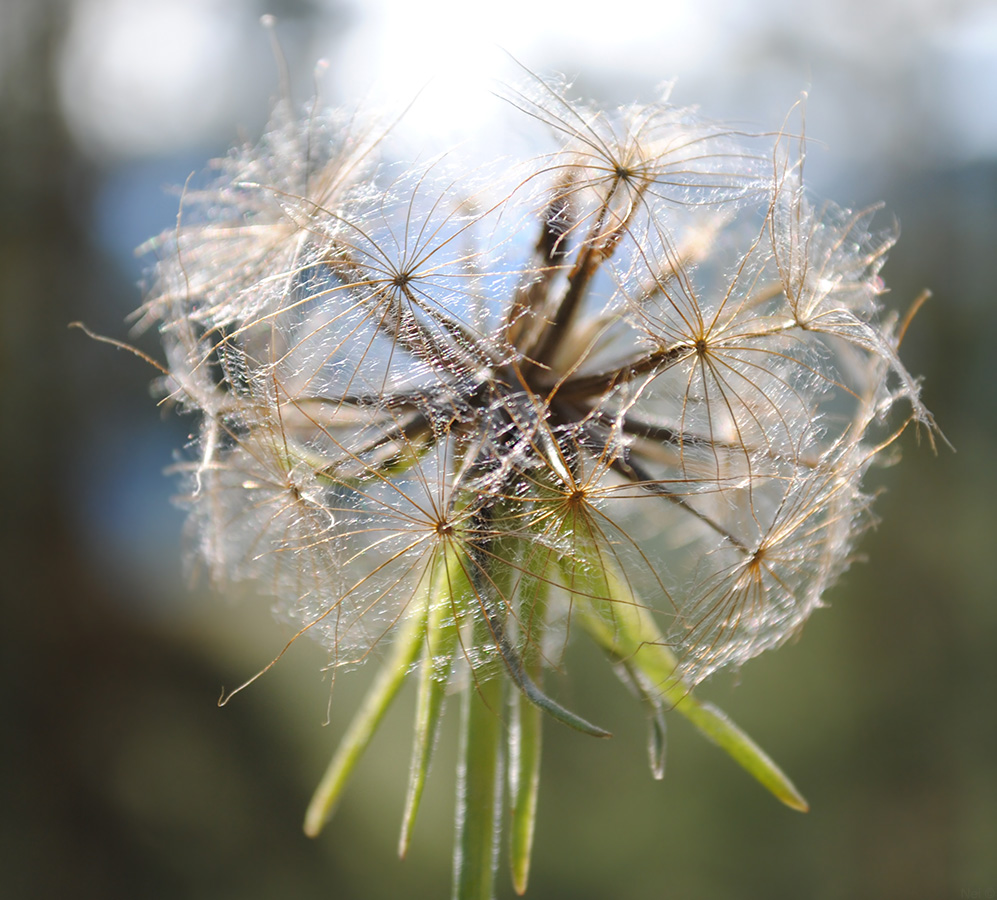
645, 351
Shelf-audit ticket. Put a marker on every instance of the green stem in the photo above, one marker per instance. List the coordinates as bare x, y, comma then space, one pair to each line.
479, 788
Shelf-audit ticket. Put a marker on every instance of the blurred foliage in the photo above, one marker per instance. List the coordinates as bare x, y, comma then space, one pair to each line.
122, 779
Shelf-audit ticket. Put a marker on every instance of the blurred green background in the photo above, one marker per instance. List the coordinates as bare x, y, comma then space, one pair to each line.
121, 778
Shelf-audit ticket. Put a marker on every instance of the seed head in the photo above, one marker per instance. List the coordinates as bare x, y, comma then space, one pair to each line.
635, 381
691, 358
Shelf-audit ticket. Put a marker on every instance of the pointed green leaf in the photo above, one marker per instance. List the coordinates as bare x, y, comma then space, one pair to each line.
526, 723
657, 737
657, 742
450, 585
502, 580
715, 724
479, 789
620, 623
524, 786
390, 677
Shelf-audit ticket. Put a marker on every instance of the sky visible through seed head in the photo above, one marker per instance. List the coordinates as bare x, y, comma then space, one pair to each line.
144, 78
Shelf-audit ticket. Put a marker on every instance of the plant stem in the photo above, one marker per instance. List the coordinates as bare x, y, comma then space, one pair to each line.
479, 790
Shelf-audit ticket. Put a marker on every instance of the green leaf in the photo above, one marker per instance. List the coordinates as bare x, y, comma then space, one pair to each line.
526, 722
391, 676
450, 587
479, 789
620, 623
503, 579
524, 786
715, 724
